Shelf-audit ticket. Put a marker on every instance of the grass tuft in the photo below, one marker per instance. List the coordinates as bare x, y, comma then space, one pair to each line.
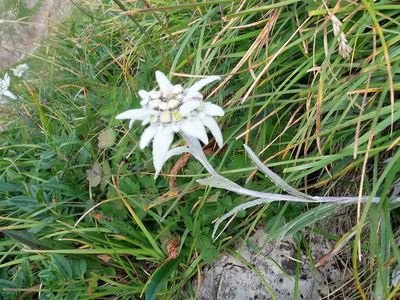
328, 125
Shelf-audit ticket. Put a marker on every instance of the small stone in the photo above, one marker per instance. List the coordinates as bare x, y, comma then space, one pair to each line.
155, 94
155, 104
173, 104
165, 117
163, 105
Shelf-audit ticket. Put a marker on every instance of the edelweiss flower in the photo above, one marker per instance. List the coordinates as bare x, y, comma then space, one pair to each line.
20, 70
4, 85
173, 109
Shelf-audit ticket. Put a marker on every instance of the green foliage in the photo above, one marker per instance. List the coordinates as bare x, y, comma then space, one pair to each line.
159, 279
76, 192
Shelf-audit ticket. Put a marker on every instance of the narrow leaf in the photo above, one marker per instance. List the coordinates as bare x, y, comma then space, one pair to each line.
275, 178
160, 278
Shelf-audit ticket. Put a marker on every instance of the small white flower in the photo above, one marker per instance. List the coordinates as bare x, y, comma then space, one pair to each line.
20, 70
4, 85
173, 109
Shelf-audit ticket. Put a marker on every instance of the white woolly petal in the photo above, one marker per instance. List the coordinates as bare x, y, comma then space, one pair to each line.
176, 127
177, 89
20, 70
176, 151
164, 83
148, 135
210, 123
188, 107
7, 80
17, 73
135, 114
161, 143
202, 83
144, 95
131, 123
10, 95
190, 95
213, 110
196, 129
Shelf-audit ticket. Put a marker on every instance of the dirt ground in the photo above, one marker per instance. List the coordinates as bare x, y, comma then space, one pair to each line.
24, 24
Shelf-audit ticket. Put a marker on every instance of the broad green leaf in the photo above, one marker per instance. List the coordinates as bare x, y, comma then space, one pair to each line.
79, 267
207, 249
62, 264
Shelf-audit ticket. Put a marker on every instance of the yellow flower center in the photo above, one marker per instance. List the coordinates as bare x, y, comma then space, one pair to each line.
176, 116
153, 118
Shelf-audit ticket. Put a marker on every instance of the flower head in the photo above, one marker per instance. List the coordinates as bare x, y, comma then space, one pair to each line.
20, 70
174, 109
4, 85
344, 47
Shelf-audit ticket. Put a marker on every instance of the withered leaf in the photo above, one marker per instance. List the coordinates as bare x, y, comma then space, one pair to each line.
93, 175
106, 138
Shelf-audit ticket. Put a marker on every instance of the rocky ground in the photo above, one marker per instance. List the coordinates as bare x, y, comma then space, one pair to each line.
264, 268
24, 25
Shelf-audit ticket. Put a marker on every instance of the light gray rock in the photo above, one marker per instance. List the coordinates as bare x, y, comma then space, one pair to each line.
21, 37
273, 270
